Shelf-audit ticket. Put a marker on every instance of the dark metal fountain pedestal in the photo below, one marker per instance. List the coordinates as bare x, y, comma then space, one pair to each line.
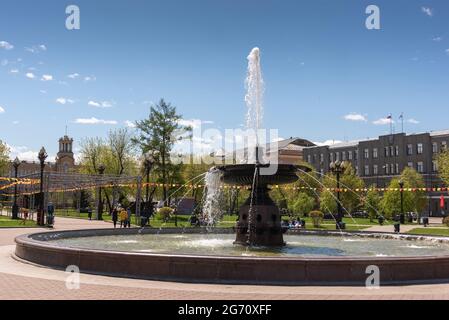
259, 221
264, 220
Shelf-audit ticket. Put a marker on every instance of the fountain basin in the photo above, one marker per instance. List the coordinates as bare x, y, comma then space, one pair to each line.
261, 266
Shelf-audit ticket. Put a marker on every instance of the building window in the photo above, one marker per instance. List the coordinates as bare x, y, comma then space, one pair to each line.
397, 168
409, 149
331, 157
420, 167
366, 153
434, 166
435, 147
391, 151
443, 145
375, 169
391, 169
375, 153
366, 170
397, 151
387, 152
357, 170
322, 158
356, 154
350, 155
387, 169
420, 148
337, 156
410, 164
309, 158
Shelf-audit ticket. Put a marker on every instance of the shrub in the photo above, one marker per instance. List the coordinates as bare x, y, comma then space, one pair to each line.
446, 221
164, 214
317, 218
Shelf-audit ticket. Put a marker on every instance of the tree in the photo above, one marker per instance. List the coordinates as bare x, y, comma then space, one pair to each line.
413, 201
304, 204
372, 203
4, 157
349, 181
328, 202
443, 166
158, 134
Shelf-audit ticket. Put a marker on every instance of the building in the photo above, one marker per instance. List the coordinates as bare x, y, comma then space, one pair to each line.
64, 162
378, 160
287, 151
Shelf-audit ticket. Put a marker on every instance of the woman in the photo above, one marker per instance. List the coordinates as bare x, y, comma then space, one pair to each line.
115, 217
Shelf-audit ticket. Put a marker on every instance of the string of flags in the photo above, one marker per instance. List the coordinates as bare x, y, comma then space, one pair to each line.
202, 186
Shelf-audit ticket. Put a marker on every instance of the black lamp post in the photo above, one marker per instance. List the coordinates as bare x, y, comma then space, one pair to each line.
402, 215
40, 215
338, 168
15, 207
101, 169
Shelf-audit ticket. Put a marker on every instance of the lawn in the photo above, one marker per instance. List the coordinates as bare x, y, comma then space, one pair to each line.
7, 222
430, 231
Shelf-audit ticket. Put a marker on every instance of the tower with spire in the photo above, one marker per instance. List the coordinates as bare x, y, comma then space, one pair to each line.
65, 160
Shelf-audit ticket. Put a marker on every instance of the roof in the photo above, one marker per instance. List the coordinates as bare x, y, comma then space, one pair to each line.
439, 133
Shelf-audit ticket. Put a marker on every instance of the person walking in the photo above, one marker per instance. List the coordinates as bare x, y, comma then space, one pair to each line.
115, 217
89, 213
128, 211
123, 218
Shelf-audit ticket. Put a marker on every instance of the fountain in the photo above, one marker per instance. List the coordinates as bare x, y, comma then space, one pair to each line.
254, 252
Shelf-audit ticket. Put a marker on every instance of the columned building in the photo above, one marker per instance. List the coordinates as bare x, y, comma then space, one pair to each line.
379, 160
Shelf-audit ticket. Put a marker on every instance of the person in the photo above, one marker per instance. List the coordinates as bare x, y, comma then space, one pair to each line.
24, 215
89, 213
115, 217
50, 214
123, 218
128, 220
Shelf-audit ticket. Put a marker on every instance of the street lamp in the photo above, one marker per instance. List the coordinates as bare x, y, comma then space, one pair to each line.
101, 169
338, 168
15, 207
402, 216
40, 215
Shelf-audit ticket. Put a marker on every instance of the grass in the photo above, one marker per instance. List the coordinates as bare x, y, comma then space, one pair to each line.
7, 222
430, 231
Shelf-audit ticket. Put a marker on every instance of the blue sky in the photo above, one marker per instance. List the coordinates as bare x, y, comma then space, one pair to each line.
319, 61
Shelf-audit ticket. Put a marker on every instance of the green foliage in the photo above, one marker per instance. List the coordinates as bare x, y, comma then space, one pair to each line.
164, 214
157, 134
372, 203
303, 204
317, 218
328, 202
351, 201
4, 157
443, 166
413, 201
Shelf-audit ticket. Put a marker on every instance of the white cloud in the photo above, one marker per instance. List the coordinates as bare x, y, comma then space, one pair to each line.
130, 124
355, 117
383, 121
94, 121
30, 75
43, 91
413, 121
73, 75
15, 122
13, 71
328, 142
6, 45
437, 39
447, 51
428, 11
24, 153
37, 49
64, 101
194, 123
4, 62
47, 77
90, 78
103, 104
2, 110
